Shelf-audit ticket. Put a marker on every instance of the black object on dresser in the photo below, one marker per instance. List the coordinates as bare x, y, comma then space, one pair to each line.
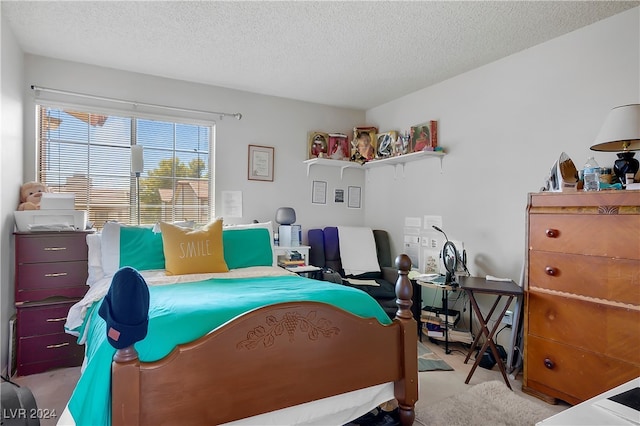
51, 275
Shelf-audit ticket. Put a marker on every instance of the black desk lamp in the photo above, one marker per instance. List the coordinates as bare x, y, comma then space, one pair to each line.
621, 132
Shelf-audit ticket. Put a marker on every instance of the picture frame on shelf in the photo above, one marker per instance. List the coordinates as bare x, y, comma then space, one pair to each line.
363, 144
317, 145
402, 144
424, 137
260, 163
385, 143
339, 148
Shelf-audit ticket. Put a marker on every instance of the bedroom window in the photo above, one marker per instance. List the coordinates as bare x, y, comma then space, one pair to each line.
89, 154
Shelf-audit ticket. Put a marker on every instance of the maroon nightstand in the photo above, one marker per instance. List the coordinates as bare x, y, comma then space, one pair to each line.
51, 275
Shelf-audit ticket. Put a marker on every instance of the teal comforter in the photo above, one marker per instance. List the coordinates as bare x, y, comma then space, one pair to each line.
181, 313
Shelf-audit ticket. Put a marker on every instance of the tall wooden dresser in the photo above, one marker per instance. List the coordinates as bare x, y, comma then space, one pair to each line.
582, 300
51, 275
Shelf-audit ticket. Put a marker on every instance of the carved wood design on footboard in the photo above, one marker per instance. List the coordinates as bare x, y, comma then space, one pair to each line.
271, 358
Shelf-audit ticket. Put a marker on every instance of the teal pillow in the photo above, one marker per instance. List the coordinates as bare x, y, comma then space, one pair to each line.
247, 247
141, 248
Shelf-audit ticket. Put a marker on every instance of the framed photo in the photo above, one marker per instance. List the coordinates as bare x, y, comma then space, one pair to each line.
338, 196
363, 144
318, 145
386, 144
319, 192
354, 194
424, 137
339, 146
260, 163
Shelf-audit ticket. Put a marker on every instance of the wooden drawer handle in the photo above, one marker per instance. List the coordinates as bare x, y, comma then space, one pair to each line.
550, 270
549, 364
56, 274
54, 248
59, 345
56, 319
552, 233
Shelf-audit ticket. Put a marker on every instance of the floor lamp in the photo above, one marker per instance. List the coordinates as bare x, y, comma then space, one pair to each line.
137, 165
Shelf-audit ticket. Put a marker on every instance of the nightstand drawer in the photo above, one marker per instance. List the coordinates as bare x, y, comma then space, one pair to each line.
42, 353
38, 281
596, 276
561, 233
40, 320
51, 247
48, 347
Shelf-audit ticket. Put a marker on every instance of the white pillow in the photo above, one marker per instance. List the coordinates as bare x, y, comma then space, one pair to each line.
357, 250
111, 247
266, 225
94, 243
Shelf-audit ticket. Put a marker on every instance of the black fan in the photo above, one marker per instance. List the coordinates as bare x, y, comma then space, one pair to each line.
450, 259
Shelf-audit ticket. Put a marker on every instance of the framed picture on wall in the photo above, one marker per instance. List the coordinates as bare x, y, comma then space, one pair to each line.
354, 194
319, 192
260, 165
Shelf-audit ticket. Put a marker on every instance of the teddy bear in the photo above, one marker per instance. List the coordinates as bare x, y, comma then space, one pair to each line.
30, 195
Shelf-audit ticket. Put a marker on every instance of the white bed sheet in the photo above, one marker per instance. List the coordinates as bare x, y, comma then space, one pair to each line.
334, 410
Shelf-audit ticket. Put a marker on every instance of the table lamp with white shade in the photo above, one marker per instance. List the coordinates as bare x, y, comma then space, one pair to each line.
621, 133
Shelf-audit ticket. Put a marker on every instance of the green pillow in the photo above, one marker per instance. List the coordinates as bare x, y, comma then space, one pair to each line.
247, 247
141, 248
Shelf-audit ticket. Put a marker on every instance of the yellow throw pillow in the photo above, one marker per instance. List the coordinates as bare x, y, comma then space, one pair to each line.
189, 251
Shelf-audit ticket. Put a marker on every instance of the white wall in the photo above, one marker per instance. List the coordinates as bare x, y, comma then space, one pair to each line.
266, 120
503, 126
11, 160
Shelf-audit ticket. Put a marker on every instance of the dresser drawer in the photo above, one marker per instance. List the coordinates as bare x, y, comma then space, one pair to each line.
600, 277
39, 320
42, 353
47, 347
563, 233
572, 374
51, 247
599, 327
38, 281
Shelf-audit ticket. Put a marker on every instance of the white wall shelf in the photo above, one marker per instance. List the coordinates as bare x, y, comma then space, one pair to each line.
400, 160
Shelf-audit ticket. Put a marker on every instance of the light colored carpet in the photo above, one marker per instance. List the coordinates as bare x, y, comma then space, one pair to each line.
428, 361
488, 403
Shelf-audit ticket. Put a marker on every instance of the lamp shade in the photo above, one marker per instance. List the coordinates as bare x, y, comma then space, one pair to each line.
620, 131
285, 216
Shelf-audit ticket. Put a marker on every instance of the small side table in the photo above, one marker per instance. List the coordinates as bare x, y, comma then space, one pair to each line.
508, 289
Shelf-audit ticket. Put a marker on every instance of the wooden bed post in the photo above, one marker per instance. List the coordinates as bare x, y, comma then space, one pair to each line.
406, 389
125, 382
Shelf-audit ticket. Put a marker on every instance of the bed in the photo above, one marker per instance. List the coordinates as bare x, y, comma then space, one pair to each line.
252, 344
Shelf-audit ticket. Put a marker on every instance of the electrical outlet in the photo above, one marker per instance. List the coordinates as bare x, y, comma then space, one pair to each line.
508, 318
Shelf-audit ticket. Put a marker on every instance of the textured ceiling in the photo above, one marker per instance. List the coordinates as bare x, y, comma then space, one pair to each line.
353, 54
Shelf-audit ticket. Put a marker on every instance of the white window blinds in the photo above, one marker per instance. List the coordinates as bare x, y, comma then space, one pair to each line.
89, 154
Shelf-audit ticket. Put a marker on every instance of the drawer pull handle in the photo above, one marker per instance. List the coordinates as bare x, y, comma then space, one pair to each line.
56, 274
549, 364
551, 270
59, 345
54, 248
56, 319
552, 233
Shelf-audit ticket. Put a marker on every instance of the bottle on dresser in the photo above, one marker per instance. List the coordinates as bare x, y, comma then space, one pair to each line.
591, 175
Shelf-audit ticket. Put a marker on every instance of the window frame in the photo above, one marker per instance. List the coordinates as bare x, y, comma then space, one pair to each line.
133, 115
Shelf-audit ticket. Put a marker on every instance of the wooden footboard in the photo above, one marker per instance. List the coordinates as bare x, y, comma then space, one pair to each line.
271, 358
